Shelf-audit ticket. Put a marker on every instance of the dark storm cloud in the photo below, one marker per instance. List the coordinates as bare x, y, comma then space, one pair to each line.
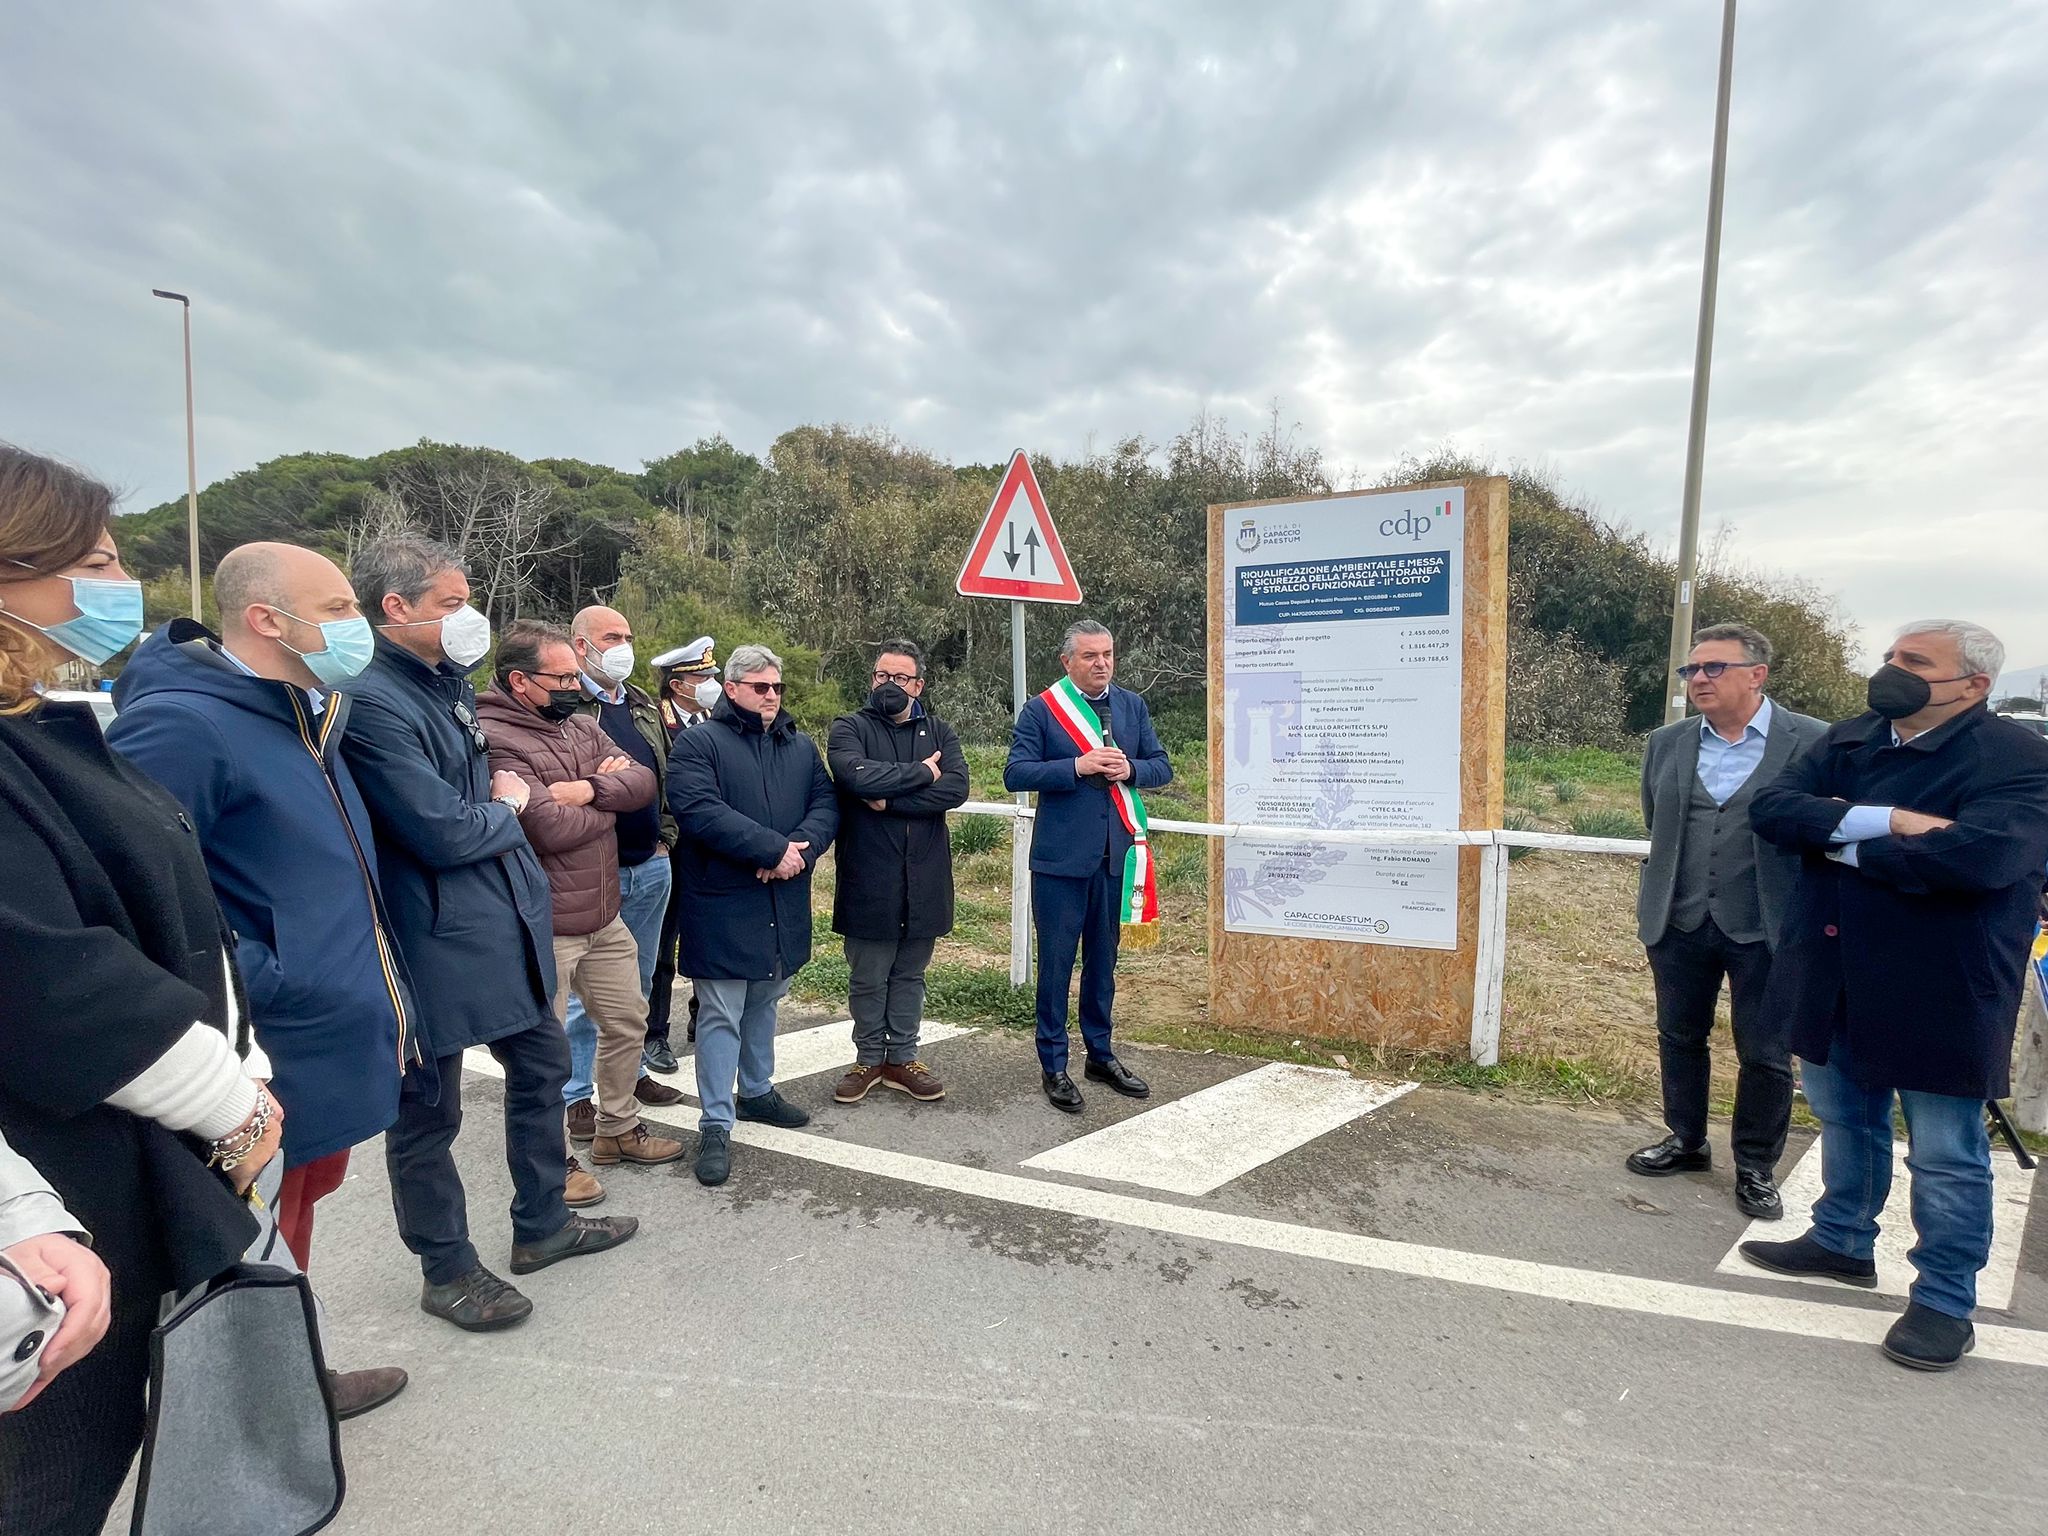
605, 230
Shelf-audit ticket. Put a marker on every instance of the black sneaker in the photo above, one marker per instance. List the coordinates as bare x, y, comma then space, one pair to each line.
1803, 1256
1927, 1340
478, 1301
658, 1057
582, 1234
771, 1108
714, 1155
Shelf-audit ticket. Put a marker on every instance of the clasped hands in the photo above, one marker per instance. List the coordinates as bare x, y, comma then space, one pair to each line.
791, 865
1109, 762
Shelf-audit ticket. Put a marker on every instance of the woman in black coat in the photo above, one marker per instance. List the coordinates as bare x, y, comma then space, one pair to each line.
127, 1072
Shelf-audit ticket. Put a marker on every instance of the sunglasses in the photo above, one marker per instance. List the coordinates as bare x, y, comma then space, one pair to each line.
764, 689
1711, 669
466, 718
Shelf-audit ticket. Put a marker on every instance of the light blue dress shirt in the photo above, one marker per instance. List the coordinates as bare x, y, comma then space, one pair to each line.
1859, 824
1725, 766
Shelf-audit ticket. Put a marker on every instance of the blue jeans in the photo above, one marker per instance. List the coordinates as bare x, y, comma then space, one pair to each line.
735, 1040
643, 900
1948, 1154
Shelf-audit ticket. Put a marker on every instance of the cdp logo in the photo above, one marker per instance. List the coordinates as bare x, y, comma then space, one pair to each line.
1416, 526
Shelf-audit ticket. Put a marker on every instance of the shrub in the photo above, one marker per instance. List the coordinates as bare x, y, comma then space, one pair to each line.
1519, 820
1567, 790
1519, 788
1606, 821
973, 832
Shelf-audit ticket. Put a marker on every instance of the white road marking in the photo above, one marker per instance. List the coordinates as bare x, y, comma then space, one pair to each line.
1200, 1142
2012, 1189
800, 1053
1626, 1293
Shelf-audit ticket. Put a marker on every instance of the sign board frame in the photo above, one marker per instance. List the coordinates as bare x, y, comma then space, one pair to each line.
1411, 998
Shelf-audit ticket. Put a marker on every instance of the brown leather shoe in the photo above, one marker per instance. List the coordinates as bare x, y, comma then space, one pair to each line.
656, 1094
478, 1301
357, 1392
913, 1078
855, 1085
636, 1146
581, 1189
582, 1118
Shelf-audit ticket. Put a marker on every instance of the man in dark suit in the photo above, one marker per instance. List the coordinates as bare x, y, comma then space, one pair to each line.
1079, 849
469, 907
1711, 904
1923, 830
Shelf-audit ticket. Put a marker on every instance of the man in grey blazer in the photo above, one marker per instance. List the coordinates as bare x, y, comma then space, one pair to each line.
1711, 905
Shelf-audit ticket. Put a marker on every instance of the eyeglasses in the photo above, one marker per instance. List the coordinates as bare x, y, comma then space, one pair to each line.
1711, 669
764, 689
554, 679
466, 718
900, 679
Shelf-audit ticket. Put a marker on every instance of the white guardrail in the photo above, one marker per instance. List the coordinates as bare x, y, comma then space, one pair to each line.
2030, 1082
1490, 964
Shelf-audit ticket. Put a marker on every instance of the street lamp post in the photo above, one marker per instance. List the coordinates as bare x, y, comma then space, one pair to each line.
1702, 361
191, 450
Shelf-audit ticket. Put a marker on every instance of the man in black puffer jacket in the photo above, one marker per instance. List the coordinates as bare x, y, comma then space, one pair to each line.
899, 770
754, 813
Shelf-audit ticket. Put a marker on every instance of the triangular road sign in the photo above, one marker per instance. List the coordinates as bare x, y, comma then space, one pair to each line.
1018, 553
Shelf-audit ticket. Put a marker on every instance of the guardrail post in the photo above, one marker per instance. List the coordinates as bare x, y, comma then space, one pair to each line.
1490, 963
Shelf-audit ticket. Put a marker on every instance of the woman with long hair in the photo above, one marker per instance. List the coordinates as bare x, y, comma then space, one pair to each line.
128, 1074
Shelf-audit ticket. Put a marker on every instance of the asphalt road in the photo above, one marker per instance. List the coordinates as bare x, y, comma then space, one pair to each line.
1447, 1314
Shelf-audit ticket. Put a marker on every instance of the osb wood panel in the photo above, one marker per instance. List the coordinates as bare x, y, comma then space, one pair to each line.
1380, 993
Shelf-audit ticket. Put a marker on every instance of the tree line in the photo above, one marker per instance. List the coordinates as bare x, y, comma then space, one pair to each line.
837, 539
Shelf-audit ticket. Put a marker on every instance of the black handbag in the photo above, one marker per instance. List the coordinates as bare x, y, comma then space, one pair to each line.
241, 1438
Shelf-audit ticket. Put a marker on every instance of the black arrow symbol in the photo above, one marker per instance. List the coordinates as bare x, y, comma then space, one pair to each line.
1011, 554
1031, 542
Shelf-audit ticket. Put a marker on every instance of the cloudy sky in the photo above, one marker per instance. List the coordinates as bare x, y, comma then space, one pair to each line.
606, 229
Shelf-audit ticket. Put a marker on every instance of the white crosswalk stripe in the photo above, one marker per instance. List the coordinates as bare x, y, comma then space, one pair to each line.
2012, 1189
799, 1053
1203, 1141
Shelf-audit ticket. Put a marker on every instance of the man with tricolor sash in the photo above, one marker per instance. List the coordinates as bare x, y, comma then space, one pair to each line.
1088, 751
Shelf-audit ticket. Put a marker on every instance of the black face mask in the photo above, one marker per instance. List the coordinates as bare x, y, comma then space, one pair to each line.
1896, 693
561, 704
891, 699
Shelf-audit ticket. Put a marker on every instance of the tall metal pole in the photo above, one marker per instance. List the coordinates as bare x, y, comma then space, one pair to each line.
191, 452
1702, 363
1020, 838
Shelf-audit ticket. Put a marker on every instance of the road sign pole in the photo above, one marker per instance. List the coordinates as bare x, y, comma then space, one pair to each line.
1020, 828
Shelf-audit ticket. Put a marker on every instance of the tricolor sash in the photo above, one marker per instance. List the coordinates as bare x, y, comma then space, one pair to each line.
1138, 907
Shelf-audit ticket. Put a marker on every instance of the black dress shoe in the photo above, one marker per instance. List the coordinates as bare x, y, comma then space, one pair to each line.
1120, 1077
1756, 1194
1669, 1156
1803, 1256
657, 1056
479, 1302
582, 1234
1927, 1340
1061, 1093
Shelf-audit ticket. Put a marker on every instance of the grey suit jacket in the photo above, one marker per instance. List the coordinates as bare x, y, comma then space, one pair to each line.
1671, 761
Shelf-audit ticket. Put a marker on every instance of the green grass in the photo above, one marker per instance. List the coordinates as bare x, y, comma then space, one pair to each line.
1515, 819
1183, 863
1605, 821
1567, 790
974, 834
1589, 765
1521, 788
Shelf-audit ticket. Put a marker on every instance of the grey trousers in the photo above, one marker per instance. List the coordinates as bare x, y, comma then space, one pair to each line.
885, 994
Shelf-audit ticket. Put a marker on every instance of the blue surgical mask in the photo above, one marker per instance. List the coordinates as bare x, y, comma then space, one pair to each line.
349, 646
109, 619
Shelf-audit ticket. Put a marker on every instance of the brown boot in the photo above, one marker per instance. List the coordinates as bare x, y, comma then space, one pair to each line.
582, 1118
636, 1146
581, 1188
915, 1079
855, 1085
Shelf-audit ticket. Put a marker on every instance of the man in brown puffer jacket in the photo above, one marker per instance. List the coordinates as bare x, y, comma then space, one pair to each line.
579, 786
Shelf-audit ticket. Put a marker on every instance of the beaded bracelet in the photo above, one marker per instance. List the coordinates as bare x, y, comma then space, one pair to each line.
231, 1151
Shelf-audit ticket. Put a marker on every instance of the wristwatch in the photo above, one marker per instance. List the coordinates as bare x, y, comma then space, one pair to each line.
517, 802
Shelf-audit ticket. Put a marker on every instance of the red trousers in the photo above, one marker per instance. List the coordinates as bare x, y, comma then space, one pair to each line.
303, 1187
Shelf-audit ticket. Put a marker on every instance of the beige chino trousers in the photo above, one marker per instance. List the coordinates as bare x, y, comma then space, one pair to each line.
603, 968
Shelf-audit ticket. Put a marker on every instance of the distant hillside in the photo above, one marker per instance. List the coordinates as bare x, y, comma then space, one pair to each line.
838, 539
